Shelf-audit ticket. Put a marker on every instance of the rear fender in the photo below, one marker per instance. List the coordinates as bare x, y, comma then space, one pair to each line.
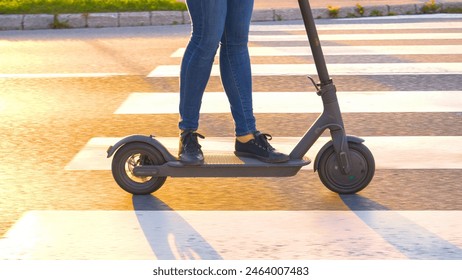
144, 139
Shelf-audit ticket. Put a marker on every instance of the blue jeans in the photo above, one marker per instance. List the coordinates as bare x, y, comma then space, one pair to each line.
225, 23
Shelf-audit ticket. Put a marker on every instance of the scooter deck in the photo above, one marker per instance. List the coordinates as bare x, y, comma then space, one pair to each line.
224, 165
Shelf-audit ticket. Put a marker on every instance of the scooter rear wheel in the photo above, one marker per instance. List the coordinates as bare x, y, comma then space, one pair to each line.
127, 158
362, 169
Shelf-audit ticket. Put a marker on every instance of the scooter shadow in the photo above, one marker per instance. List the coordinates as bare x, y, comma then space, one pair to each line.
411, 239
170, 236
358, 202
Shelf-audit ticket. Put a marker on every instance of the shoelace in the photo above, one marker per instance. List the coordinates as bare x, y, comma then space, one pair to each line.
190, 141
262, 139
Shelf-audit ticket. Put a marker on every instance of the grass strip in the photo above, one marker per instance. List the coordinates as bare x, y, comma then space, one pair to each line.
87, 6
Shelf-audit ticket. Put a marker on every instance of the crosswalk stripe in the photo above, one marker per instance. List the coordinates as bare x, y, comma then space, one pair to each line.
349, 50
358, 37
390, 152
347, 25
302, 102
346, 69
231, 235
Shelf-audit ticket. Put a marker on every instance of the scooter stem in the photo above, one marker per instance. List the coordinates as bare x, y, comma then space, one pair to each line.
331, 117
315, 45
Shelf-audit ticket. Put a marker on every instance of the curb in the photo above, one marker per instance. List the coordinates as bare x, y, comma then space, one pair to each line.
156, 18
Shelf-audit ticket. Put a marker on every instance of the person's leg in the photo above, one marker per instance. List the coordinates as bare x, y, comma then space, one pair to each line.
208, 20
236, 77
235, 65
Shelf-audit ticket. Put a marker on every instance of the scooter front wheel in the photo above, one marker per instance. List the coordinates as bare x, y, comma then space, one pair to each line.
130, 156
362, 166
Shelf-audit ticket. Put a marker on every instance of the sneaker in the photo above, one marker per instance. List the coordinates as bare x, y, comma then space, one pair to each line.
260, 149
190, 152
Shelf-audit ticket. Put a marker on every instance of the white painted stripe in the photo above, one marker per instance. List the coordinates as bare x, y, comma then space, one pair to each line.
359, 37
390, 152
411, 16
348, 25
349, 50
232, 235
302, 102
60, 75
334, 69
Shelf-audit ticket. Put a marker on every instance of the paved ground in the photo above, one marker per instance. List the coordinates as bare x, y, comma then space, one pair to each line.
62, 95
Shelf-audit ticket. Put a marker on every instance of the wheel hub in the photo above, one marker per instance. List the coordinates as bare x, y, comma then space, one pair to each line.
132, 162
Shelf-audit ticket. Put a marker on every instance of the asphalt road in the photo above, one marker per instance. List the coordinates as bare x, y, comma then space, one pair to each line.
61, 88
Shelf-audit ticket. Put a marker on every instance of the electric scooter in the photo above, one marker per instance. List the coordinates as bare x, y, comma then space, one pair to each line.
141, 164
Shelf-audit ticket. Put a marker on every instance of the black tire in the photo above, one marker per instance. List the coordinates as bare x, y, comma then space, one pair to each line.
362, 169
136, 154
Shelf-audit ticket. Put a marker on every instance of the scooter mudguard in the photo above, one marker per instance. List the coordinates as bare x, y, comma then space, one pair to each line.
144, 139
350, 138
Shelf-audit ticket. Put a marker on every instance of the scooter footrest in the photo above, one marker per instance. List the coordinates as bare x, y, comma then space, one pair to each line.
228, 165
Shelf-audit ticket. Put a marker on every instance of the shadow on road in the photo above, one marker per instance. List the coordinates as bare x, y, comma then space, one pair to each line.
411, 239
170, 236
